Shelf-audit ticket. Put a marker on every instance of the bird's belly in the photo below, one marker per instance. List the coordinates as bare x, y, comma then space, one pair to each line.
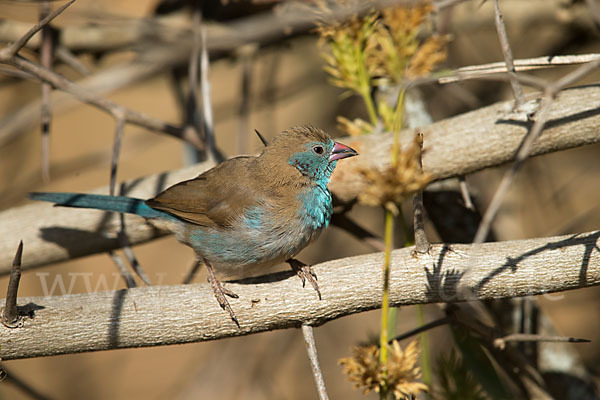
247, 252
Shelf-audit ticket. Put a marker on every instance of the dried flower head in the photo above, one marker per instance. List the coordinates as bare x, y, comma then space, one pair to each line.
398, 376
396, 49
390, 186
405, 22
363, 368
346, 64
428, 56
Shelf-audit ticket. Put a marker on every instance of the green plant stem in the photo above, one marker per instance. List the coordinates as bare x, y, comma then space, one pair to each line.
385, 302
424, 339
366, 95
389, 243
397, 124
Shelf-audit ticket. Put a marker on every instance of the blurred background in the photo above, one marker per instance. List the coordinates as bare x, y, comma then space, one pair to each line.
285, 85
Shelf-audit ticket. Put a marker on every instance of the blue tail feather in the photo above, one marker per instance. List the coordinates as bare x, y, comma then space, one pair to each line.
121, 204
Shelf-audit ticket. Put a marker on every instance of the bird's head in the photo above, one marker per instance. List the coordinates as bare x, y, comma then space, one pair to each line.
310, 150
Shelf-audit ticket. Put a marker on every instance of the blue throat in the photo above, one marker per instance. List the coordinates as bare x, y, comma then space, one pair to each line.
317, 207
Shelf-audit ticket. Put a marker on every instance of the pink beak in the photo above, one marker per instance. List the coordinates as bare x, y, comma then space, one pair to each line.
341, 151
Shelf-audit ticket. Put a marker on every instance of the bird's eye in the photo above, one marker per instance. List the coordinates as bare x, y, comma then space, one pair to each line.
318, 149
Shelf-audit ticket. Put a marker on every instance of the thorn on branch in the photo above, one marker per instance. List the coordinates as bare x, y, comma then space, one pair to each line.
508, 57
10, 314
261, 137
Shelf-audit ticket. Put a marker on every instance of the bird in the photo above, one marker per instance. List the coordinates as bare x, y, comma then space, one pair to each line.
247, 213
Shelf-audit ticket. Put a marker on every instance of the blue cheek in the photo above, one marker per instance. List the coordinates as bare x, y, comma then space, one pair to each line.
312, 165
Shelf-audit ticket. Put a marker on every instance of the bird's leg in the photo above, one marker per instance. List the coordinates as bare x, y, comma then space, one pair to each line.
220, 292
305, 273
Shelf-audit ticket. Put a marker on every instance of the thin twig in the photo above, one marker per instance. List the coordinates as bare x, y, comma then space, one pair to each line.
13, 49
192, 123
311, 349
114, 162
15, 73
68, 58
133, 261
529, 337
246, 54
527, 64
464, 191
47, 50
509, 176
422, 328
508, 57
207, 111
573, 76
130, 255
10, 315
122, 268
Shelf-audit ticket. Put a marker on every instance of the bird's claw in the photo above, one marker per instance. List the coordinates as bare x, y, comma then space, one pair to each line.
305, 273
220, 292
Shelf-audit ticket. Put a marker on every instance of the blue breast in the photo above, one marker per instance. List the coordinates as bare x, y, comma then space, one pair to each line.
316, 209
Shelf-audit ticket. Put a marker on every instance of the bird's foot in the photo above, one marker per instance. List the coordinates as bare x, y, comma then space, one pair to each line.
305, 273
220, 292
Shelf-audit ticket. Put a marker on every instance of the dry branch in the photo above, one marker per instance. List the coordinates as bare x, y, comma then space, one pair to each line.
457, 146
161, 315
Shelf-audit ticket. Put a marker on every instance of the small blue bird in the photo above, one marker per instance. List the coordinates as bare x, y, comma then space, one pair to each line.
247, 213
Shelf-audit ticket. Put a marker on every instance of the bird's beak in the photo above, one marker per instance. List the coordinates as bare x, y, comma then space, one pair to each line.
341, 151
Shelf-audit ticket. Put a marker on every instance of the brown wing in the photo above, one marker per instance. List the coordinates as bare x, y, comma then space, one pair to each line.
214, 198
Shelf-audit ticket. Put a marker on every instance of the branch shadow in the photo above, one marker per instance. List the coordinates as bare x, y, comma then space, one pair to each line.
115, 317
588, 241
71, 239
269, 278
442, 285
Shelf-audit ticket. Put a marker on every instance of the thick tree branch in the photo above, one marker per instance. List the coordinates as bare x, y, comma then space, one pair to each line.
457, 146
160, 315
